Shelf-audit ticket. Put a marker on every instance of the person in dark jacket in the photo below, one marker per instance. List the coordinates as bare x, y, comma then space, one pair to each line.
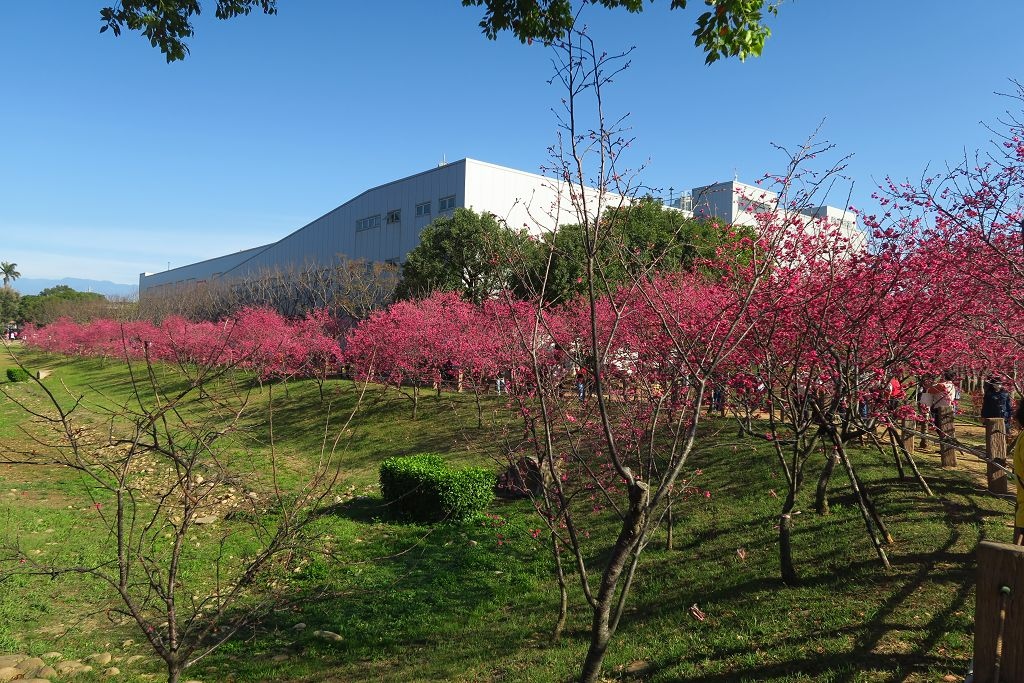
996, 401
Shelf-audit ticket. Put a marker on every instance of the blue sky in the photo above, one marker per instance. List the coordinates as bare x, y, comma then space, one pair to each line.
114, 162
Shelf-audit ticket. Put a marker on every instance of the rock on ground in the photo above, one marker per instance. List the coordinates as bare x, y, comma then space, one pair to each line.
328, 635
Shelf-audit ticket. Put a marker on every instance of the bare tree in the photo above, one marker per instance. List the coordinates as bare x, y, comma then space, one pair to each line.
348, 288
173, 480
622, 445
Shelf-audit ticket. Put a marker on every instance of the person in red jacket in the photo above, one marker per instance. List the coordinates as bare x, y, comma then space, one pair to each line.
896, 394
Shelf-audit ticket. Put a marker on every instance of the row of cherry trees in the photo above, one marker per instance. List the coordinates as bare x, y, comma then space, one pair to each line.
800, 322
812, 346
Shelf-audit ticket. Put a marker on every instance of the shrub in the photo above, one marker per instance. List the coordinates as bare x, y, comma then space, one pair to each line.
423, 488
18, 375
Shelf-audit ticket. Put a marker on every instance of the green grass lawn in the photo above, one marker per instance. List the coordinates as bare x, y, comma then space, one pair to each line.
476, 601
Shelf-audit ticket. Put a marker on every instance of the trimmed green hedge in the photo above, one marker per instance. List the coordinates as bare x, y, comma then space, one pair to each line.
423, 488
17, 375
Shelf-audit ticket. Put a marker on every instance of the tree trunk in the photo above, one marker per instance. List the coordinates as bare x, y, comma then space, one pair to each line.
671, 530
600, 630
479, 406
821, 492
563, 593
595, 655
789, 576
173, 672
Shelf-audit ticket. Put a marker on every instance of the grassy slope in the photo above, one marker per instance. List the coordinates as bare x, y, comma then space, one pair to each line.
453, 603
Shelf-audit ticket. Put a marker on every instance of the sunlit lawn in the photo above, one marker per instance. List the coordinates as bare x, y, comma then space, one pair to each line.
418, 603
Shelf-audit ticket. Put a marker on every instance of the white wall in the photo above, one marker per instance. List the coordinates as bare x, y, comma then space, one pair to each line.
523, 200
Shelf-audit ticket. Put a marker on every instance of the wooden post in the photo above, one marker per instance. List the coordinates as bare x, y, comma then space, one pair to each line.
998, 614
946, 433
995, 445
907, 436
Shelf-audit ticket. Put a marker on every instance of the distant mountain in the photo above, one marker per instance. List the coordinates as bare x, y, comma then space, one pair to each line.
28, 285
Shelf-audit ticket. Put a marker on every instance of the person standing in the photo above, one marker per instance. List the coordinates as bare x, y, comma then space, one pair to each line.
924, 403
996, 402
943, 394
581, 383
895, 395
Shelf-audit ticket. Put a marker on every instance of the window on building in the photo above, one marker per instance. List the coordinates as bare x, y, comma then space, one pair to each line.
423, 209
368, 223
446, 203
394, 216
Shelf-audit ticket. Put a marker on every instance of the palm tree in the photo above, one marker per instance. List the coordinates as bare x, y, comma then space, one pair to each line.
10, 273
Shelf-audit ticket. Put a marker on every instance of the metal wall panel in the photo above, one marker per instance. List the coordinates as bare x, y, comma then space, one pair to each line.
203, 270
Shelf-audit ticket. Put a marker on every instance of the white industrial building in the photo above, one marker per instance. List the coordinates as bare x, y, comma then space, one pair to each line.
384, 223
739, 203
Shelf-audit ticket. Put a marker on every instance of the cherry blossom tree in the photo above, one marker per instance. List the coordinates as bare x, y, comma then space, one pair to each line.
643, 351
972, 212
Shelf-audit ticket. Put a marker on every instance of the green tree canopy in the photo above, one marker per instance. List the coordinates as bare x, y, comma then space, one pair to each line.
9, 300
644, 237
730, 28
465, 252
167, 23
57, 301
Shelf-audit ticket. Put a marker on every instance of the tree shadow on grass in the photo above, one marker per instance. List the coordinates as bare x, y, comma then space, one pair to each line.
923, 600
400, 592
382, 427
362, 509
